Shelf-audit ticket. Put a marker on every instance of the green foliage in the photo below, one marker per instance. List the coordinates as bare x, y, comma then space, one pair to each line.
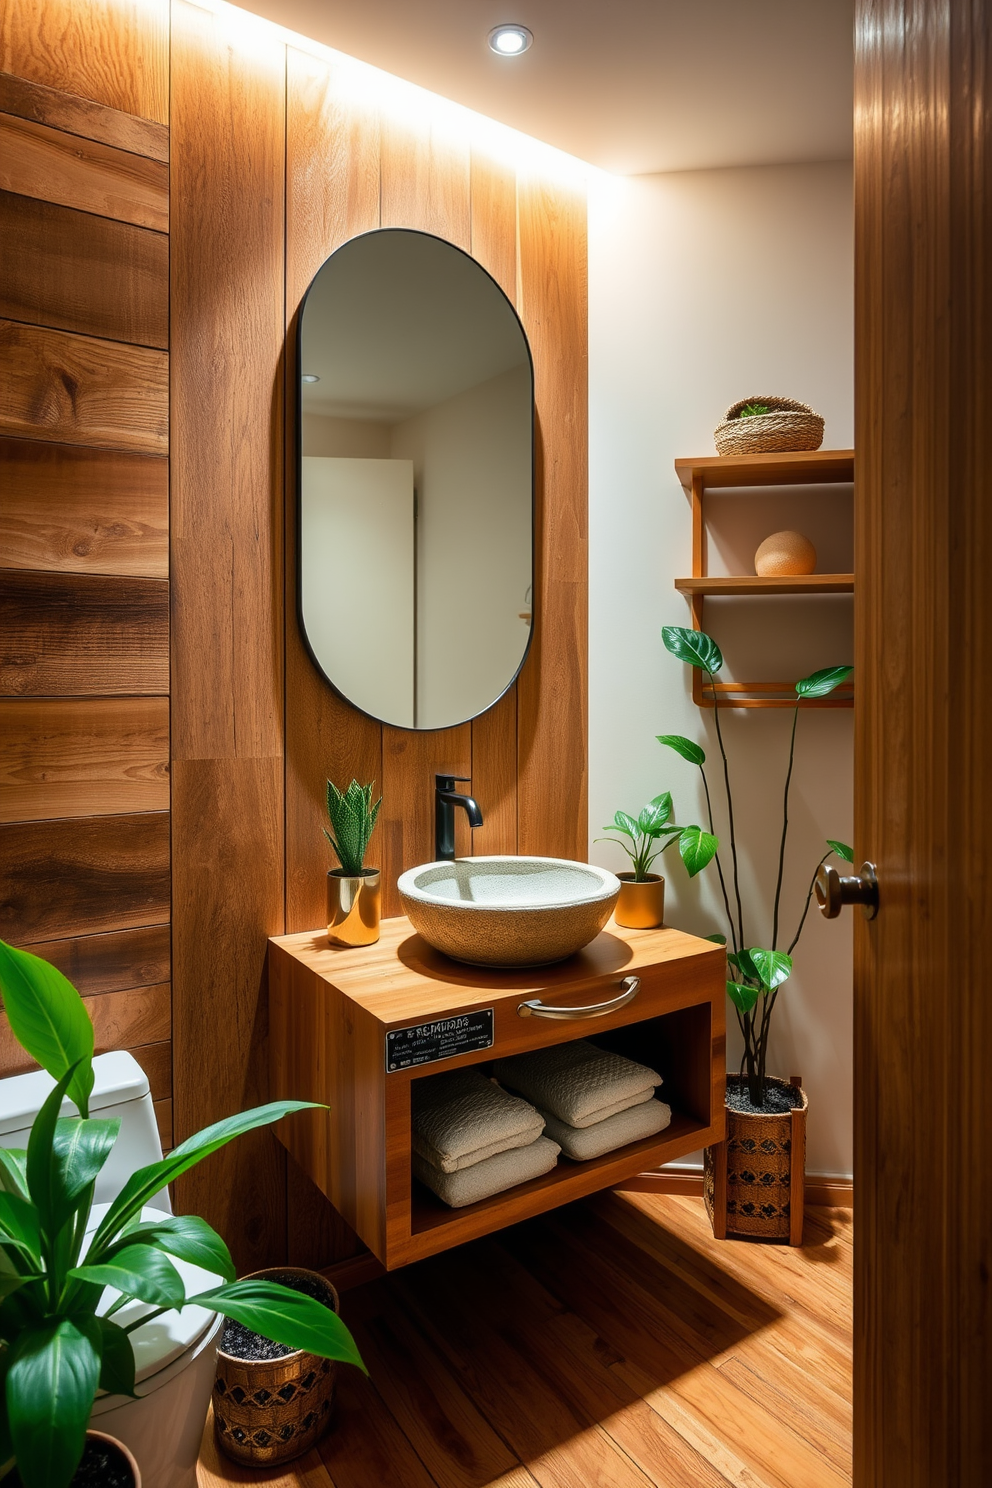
694, 647
57, 1349
753, 410
685, 747
757, 974
642, 833
353, 818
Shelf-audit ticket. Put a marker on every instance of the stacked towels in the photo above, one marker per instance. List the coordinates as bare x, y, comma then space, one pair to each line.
472, 1140
591, 1101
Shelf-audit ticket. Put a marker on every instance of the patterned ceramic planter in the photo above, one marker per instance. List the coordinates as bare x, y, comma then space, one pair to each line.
272, 1410
754, 1182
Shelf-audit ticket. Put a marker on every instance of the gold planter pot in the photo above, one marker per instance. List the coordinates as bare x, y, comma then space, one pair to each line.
641, 906
354, 906
269, 1411
754, 1182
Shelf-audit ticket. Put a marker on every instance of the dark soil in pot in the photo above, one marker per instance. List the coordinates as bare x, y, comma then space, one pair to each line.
103, 1466
778, 1101
241, 1343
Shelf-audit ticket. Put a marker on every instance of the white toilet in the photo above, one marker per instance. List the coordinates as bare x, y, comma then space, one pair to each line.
175, 1355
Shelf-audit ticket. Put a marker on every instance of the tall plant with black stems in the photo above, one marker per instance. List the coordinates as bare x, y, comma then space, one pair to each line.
757, 973
60, 1341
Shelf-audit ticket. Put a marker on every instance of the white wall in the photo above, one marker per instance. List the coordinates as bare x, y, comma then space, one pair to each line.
706, 287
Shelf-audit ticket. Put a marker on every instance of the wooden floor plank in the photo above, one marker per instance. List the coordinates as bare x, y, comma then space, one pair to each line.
612, 1345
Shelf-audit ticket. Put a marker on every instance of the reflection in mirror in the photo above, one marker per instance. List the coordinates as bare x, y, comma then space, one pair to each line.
416, 480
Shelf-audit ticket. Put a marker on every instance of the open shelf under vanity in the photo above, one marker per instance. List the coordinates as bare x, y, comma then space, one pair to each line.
331, 1012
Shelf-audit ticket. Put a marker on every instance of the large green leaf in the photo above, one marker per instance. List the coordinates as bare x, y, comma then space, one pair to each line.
683, 746
746, 967
183, 1235
697, 848
823, 682
140, 1271
80, 1149
841, 849
285, 1316
692, 646
20, 1224
117, 1358
43, 1174
143, 1184
741, 996
14, 1171
773, 967
655, 814
51, 1382
624, 823
48, 1018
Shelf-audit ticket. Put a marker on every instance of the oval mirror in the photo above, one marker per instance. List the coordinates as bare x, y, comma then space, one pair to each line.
416, 480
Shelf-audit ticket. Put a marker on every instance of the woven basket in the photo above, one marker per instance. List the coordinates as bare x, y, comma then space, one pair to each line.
760, 1159
272, 1410
789, 426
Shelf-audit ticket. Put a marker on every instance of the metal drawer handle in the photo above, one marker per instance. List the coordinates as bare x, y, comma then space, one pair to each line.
537, 1009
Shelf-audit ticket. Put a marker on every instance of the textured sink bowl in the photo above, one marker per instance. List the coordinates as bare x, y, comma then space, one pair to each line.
508, 911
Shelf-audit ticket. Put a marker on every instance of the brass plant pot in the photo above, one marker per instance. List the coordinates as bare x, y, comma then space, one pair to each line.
354, 906
754, 1182
272, 1410
641, 905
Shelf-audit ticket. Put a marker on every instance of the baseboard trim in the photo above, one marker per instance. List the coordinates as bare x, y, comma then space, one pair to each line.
821, 1189
354, 1272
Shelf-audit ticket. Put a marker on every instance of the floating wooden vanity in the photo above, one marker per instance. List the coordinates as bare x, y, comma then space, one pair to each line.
331, 1012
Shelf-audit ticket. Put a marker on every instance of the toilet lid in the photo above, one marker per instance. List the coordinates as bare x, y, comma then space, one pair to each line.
161, 1341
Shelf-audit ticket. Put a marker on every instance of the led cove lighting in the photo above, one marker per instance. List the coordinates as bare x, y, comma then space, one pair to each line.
509, 41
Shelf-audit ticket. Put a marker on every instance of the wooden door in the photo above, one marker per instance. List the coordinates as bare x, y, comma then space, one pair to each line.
923, 1003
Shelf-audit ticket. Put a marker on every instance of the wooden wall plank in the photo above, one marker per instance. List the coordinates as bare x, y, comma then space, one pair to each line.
64, 168
163, 1116
67, 878
110, 963
62, 757
80, 510
114, 283
66, 634
76, 115
332, 194
115, 52
228, 330
121, 1020
78, 390
552, 689
157, 1062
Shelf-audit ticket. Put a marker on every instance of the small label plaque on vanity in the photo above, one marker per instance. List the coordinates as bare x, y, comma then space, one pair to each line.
426, 1043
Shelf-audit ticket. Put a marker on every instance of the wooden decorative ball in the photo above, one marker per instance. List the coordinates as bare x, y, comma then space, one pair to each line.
785, 553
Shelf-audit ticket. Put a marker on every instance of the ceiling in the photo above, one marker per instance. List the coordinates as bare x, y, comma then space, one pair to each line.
632, 86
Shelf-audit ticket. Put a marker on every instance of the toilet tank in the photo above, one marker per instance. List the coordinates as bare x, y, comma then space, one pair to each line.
120, 1088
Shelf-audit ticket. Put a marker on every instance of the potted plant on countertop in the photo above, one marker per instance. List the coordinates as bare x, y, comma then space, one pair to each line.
764, 1171
641, 905
59, 1341
353, 891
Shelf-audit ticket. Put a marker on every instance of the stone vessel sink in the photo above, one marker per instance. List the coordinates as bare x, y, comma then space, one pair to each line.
508, 911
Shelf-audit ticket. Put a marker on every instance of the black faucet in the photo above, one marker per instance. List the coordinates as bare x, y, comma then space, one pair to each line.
446, 798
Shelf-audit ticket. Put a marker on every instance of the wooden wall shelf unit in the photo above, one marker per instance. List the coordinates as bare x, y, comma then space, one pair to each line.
329, 1015
730, 472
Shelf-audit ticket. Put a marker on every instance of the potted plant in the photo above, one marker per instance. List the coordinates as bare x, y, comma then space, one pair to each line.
641, 905
105, 1463
763, 1161
353, 891
57, 1347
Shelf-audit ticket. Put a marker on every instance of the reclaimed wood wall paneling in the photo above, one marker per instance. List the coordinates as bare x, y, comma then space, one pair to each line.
75, 115
53, 166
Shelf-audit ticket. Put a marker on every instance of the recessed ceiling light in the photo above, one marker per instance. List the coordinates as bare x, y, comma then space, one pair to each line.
309, 377
509, 41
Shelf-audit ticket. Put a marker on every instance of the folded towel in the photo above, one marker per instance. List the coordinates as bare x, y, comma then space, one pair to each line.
461, 1118
583, 1142
491, 1176
577, 1082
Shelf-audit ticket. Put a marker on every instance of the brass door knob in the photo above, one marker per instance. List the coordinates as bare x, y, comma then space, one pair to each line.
834, 891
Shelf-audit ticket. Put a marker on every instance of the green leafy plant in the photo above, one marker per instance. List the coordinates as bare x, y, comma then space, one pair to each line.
643, 831
353, 818
59, 1340
753, 410
757, 974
